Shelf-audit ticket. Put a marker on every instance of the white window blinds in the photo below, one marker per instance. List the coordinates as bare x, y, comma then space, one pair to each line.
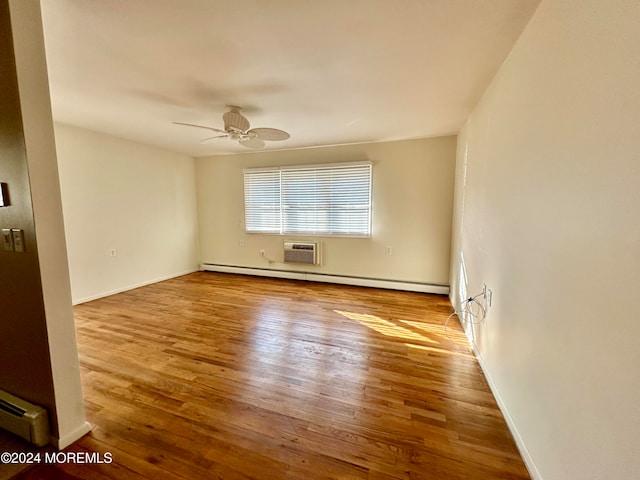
262, 201
321, 200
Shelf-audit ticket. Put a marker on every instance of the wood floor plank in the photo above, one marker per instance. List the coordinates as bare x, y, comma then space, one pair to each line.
233, 377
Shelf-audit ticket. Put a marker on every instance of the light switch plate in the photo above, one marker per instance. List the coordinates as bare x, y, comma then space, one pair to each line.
7, 240
18, 240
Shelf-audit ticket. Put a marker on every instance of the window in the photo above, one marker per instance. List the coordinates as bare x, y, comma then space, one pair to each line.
318, 200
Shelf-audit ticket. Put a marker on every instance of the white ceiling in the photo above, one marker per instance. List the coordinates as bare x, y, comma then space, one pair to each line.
327, 71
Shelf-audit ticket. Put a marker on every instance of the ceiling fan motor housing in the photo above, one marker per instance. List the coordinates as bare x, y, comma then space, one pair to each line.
234, 121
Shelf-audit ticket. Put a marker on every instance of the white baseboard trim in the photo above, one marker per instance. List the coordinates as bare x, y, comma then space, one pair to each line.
327, 278
524, 452
69, 438
131, 287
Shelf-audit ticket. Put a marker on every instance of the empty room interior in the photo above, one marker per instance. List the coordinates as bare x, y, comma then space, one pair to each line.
353, 239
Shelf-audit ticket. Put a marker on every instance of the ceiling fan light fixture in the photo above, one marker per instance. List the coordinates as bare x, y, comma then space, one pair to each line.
254, 143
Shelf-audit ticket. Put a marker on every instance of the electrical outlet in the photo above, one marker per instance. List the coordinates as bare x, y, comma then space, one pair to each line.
241, 243
487, 295
388, 250
262, 252
113, 252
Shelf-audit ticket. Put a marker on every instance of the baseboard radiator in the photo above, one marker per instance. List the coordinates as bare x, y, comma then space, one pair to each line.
24, 419
328, 278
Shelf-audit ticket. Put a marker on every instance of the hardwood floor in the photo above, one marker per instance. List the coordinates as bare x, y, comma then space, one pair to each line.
231, 377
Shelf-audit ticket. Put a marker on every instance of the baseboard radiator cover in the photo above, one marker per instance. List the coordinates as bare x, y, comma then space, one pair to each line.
439, 289
24, 419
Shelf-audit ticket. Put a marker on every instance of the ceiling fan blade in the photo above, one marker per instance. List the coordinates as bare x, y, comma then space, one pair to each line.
210, 139
254, 143
199, 126
270, 134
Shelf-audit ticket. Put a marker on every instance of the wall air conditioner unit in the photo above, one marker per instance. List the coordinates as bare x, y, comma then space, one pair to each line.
297, 252
24, 419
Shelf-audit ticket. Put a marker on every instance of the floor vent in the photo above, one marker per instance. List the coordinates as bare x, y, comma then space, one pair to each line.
24, 419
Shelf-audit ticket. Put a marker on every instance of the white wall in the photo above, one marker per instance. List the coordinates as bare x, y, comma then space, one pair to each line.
547, 200
68, 418
137, 199
412, 190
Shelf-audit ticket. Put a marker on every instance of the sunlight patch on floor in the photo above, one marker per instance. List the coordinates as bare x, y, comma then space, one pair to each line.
425, 327
440, 350
385, 327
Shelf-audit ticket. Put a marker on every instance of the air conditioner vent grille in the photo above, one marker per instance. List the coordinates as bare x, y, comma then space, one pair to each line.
305, 253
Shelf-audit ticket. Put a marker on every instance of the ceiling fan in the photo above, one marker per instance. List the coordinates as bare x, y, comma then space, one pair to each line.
236, 127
